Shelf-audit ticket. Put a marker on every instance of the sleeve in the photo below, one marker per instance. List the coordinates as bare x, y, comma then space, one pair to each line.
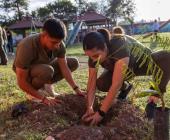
24, 56
91, 64
130, 41
61, 52
135, 43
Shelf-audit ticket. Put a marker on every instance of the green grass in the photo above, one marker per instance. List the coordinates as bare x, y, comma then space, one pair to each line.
8, 88
76, 50
10, 93
147, 40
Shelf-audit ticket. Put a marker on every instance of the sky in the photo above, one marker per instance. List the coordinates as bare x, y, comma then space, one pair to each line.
152, 9
145, 9
38, 3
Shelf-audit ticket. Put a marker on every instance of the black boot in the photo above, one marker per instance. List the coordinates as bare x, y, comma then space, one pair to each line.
150, 109
123, 93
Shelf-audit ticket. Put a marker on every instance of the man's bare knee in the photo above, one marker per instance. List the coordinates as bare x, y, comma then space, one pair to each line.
44, 72
73, 63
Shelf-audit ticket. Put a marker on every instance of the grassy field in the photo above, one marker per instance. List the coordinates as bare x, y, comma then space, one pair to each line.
10, 94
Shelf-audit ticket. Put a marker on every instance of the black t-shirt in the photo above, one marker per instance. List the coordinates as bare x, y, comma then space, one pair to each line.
121, 47
116, 51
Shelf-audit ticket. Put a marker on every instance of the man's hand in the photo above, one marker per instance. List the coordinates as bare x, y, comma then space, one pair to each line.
88, 113
94, 119
50, 101
80, 92
154, 99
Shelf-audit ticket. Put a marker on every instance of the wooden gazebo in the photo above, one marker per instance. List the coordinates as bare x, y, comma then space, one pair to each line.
93, 19
27, 23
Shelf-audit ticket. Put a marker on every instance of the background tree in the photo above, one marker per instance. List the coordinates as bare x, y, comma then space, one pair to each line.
67, 10
120, 9
103, 6
20, 7
34, 14
41, 12
83, 6
14, 7
63, 9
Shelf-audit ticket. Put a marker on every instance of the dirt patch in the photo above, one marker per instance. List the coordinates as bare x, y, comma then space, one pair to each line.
63, 122
123, 122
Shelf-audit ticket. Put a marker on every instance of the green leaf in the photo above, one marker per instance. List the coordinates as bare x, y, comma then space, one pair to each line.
98, 63
147, 93
154, 86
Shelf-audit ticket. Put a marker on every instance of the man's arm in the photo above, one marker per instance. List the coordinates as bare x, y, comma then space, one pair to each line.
66, 72
91, 87
22, 79
117, 80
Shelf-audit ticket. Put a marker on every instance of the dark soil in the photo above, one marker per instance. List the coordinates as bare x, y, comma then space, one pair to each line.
123, 122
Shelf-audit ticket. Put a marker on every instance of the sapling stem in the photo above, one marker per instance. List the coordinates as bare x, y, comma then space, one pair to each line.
163, 102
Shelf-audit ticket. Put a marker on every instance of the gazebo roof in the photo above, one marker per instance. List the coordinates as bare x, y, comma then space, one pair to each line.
91, 16
26, 23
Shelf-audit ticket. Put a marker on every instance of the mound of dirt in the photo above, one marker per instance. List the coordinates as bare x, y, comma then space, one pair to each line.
63, 122
123, 122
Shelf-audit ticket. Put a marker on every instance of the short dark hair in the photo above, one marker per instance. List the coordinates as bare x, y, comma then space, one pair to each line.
94, 40
55, 28
118, 30
106, 34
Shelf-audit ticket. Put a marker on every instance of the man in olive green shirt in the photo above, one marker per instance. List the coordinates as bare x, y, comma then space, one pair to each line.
40, 61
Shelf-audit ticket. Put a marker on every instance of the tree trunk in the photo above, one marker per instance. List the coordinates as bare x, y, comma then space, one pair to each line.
19, 12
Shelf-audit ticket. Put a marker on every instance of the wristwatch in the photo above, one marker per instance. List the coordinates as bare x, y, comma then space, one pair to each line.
76, 87
101, 113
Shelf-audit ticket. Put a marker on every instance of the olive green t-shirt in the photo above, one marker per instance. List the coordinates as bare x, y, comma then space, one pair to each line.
30, 52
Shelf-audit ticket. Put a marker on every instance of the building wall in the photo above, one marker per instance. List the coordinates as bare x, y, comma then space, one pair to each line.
143, 28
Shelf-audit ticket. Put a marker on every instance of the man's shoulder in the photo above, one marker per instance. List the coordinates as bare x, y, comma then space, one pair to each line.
61, 51
30, 41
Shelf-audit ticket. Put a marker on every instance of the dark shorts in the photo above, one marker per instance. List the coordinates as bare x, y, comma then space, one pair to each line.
41, 74
155, 31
